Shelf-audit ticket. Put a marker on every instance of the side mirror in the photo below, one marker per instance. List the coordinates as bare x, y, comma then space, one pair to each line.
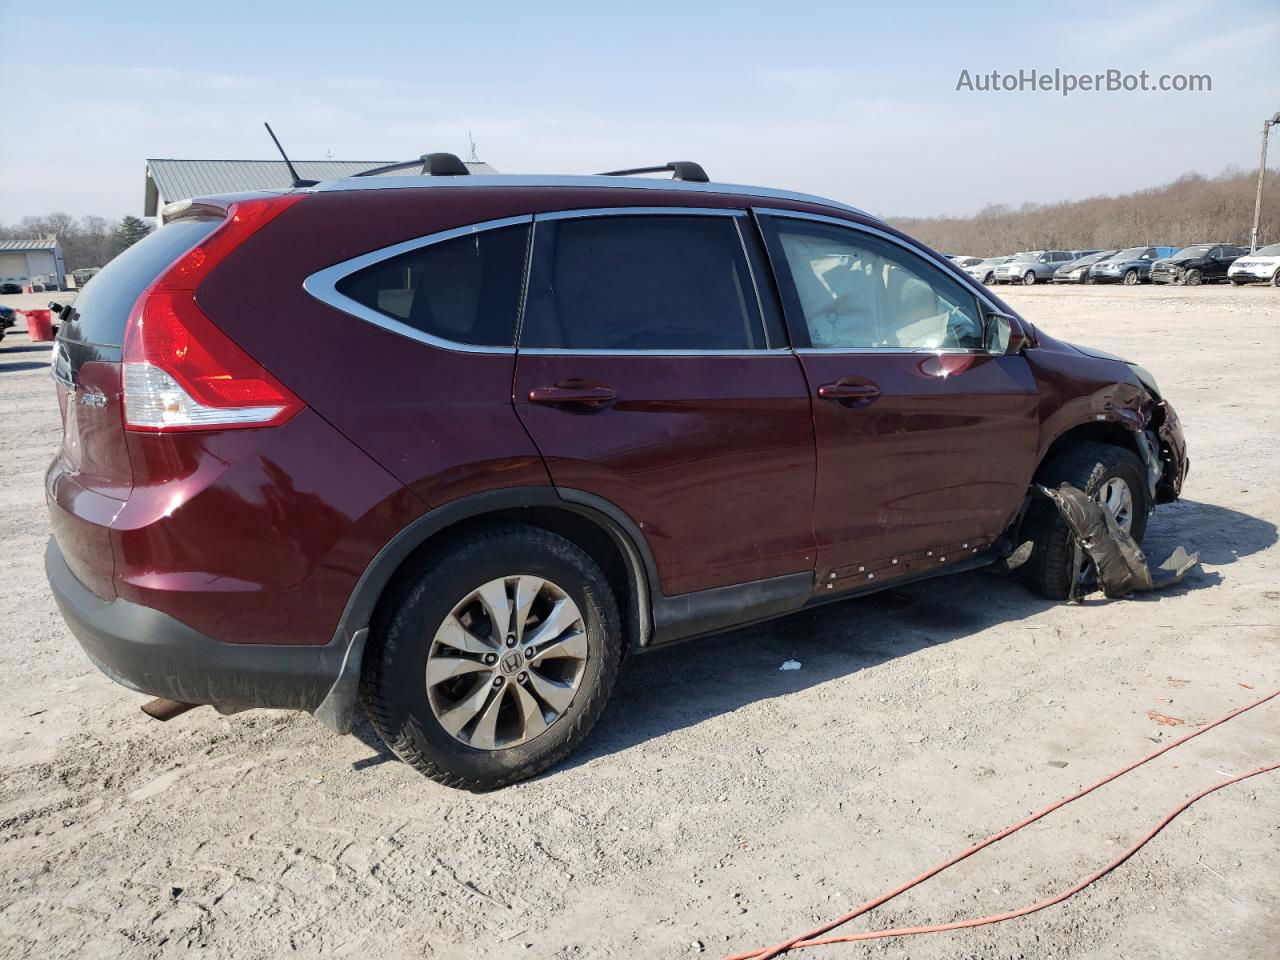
1004, 335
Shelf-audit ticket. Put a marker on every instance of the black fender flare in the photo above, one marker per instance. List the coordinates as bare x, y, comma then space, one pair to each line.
341, 658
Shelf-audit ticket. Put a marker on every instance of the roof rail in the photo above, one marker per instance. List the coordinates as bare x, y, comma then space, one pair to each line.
433, 165
680, 170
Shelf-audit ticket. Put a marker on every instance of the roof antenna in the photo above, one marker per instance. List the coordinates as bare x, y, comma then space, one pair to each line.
471, 140
297, 181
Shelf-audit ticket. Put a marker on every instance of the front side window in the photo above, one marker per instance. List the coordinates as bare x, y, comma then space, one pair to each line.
854, 291
465, 290
641, 282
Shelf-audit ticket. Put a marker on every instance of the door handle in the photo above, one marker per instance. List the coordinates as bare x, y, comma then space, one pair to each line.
591, 396
861, 392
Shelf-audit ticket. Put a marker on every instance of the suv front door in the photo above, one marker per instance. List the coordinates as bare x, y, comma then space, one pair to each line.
926, 441
653, 373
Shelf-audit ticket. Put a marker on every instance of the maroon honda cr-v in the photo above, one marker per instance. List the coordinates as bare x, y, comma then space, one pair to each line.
452, 445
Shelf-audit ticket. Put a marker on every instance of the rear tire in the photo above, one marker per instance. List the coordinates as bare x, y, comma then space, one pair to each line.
1087, 466
526, 734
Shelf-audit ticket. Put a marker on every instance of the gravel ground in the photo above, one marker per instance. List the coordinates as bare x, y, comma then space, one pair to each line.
721, 804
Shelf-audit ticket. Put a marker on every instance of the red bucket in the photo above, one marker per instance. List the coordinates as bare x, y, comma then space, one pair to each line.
40, 324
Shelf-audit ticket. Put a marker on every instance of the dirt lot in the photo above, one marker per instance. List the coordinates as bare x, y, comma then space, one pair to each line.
721, 804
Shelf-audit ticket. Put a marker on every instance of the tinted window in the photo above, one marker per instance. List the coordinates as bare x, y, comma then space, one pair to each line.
666, 282
102, 308
466, 290
853, 291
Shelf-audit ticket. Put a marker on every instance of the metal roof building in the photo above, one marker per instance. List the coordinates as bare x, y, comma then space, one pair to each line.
170, 180
26, 262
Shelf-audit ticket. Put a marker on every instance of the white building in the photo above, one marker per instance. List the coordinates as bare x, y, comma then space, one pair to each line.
28, 262
171, 180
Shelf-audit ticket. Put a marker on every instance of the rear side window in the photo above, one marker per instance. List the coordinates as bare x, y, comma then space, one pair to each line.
465, 290
639, 282
102, 308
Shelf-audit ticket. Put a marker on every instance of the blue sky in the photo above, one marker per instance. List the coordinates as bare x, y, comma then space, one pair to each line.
853, 101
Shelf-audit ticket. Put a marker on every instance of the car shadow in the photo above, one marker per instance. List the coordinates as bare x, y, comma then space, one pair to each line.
23, 365
33, 348
688, 683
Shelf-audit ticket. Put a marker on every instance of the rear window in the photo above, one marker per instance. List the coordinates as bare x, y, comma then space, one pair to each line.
465, 290
637, 282
102, 308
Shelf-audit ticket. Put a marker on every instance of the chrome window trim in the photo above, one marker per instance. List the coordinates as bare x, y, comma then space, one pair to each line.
669, 211
966, 281
730, 212
323, 285
545, 180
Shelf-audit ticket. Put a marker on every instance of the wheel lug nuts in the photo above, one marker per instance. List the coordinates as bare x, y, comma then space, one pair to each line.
511, 640
497, 681
523, 678
490, 659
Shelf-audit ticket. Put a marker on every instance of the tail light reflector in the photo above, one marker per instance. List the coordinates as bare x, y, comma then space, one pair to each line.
181, 372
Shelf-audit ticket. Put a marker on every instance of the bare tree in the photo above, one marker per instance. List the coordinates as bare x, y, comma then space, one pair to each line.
1192, 209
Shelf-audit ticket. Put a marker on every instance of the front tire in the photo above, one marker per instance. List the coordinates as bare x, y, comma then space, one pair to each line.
1193, 278
1029, 278
1112, 475
1131, 278
493, 660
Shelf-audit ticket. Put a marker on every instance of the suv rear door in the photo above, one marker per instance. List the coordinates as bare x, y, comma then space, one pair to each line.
653, 372
926, 441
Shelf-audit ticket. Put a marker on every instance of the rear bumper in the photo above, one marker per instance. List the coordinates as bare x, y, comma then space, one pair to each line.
153, 653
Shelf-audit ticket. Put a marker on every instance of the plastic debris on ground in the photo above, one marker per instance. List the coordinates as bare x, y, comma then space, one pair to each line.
1116, 558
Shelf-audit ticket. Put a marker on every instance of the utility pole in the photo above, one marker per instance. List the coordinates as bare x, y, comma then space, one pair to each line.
1262, 173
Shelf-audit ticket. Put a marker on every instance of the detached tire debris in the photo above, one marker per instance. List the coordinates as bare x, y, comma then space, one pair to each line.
1119, 562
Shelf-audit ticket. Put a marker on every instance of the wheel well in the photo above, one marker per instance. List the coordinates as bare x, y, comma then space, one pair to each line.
583, 531
1097, 431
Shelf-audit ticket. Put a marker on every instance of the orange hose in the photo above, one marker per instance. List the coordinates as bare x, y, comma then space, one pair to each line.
811, 937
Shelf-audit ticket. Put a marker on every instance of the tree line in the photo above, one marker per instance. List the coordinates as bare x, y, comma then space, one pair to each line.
88, 242
1192, 209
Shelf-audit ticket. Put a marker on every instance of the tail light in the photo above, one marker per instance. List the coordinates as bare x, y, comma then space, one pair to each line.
180, 371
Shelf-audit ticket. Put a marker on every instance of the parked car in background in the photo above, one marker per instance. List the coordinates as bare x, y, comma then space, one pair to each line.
534, 464
83, 275
1077, 270
984, 271
8, 317
1032, 266
1261, 266
1129, 266
1197, 264
963, 262
10, 287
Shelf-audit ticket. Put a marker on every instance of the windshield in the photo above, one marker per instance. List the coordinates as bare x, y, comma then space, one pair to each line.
1270, 250
996, 261
1133, 253
1094, 257
1191, 252
1026, 257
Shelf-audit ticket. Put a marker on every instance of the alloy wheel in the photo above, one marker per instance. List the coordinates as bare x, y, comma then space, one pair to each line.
507, 662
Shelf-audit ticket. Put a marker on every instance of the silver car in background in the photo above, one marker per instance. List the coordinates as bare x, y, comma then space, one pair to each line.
1077, 270
984, 271
1032, 266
